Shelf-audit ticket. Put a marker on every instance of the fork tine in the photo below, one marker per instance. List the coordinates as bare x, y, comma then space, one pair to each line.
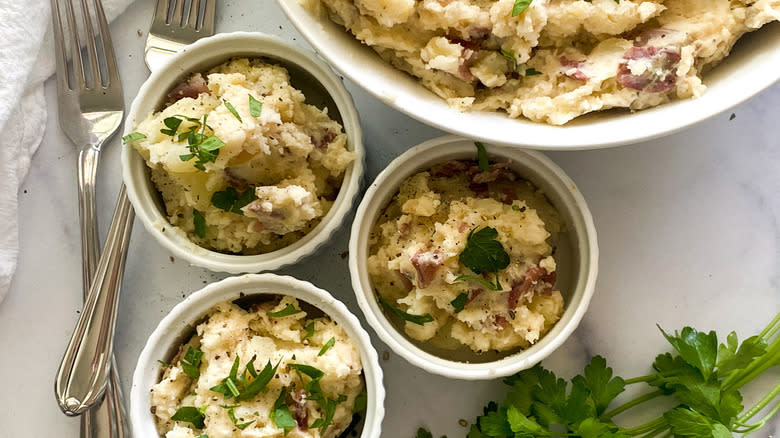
161, 11
75, 47
208, 17
59, 43
192, 21
178, 13
108, 47
93, 79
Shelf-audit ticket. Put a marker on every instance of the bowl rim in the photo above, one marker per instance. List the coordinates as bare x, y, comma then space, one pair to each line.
436, 151
171, 237
200, 302
426, 107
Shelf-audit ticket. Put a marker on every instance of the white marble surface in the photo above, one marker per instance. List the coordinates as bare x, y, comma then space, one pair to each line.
688, 226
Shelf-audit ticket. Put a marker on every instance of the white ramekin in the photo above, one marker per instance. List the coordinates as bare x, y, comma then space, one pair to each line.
751, 67
183, 319
577, 254
200, 56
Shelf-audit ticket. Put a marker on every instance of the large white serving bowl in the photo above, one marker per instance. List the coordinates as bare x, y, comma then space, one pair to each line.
753, 66
576, 256
180, 323
309, 74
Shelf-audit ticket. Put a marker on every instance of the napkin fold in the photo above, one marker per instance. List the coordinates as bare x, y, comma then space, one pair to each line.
26, 61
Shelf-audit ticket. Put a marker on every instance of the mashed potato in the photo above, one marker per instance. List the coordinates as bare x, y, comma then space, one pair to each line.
232, 335
415, 265
262, 170
557, 59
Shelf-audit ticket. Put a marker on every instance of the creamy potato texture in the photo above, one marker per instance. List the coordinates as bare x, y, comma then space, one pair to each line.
414, 257
284, 160
557, 59
254, 336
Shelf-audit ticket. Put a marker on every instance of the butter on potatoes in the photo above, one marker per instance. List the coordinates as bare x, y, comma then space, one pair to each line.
416, 268
275, 175
289, 339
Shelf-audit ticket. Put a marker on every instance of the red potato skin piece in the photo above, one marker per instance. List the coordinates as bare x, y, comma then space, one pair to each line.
192, 87
569, 64
426, 263
534, 276
649, 81
301, 414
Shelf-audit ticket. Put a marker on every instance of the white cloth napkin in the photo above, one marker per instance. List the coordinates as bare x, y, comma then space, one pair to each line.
27, 57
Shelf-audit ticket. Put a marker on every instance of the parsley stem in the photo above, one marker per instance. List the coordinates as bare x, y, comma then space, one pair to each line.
761, 405
771, 328
656, 431
646, 378
637, 401
647, 427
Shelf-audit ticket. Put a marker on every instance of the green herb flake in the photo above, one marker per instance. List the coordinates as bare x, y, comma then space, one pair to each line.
199, 222
731, 117
414, 319
172, 124
310, 329
460, 302
281, 414
423, 433
232, 110
133, 136
309, 370
190, 363
531, 72
231, 201
232, 415
361, 402
164, 364
510, 57
259, 383
482, 157
520, 6
255, 106
190, 414
331, 342
287, 311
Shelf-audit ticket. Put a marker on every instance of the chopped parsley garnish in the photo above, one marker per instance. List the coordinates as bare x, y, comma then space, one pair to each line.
483, 254
203, 147
287, 311
232, 201
248, 384
164, 364
190, 364
414, 319
309, 370
232, 110
460, 302
133, 136
520, 6
531, 72
482, 157
199, 222
519, 208
327, 405
232, 415
255, 106
331, 342
280, 413
192, 415
509, 56
203, 436
309, 330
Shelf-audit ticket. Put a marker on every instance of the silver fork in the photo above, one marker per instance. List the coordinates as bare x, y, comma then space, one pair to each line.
175, 24
89, 96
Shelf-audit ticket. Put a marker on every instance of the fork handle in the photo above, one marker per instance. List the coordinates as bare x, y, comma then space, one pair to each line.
107, 419
81, 378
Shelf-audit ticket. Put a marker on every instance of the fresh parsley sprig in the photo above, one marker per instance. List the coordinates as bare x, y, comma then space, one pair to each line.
190, 363
231, 200
192, 415
202, 146
702, 376
483, 254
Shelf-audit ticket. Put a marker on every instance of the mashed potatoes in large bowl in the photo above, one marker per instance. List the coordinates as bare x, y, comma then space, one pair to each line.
552, 60
442, 222
244, 165
269, 371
